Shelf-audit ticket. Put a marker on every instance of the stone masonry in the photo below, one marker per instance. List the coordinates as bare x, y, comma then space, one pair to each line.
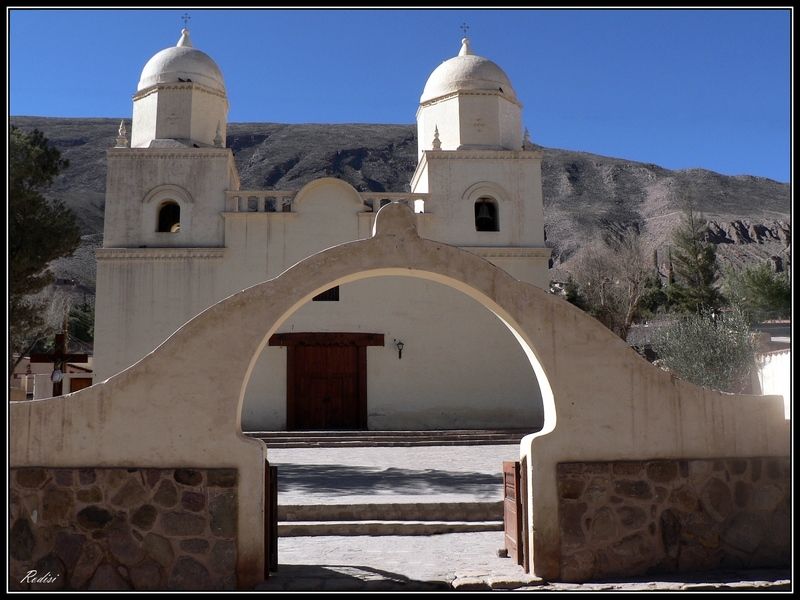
123, 529
636, 517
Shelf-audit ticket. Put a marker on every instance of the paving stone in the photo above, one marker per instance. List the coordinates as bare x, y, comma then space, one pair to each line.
193, 501
511, 583
223, 510
31, 478
130, 494
68, 547
86, 476
144, 517
464, 584
159, 548
221, 478
91, 495
147, 576
94, 517
107, 578
182, 523
166, 495
195, 546
22, 541
52, 572
123, 546
188, 477
188, 574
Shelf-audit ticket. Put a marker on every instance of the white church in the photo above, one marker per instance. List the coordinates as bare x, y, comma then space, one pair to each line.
387, 353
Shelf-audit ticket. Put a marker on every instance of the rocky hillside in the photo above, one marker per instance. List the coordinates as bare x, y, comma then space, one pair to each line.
585, 195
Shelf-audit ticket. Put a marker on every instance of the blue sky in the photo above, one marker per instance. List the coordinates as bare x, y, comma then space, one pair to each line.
678, 88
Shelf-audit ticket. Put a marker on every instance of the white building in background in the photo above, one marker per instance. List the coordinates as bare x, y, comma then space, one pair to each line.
384, 353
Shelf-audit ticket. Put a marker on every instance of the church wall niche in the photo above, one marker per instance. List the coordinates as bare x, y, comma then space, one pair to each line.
169, 217
487, 216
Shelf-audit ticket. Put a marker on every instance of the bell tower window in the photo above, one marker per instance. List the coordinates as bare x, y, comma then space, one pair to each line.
169, 217
486, 215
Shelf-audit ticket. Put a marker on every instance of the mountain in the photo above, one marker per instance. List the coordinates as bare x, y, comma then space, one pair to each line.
585, 195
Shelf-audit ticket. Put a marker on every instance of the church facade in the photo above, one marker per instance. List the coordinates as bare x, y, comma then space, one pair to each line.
387, 353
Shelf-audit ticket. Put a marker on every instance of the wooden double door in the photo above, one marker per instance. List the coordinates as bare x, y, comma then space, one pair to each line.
326, 379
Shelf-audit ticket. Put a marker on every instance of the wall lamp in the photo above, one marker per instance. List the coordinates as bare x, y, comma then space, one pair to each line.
399, 345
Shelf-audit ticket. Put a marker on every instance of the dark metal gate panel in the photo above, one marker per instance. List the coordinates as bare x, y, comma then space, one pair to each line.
273, 507
512, 512
270, 519
522, 502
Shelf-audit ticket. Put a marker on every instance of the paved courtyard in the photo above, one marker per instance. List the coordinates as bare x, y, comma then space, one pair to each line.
390, 474
465, 561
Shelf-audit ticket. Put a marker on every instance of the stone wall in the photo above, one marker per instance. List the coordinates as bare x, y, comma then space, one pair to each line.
630, 518
122, 529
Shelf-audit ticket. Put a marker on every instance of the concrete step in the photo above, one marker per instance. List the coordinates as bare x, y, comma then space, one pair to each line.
329, 439
320, 528
401, 511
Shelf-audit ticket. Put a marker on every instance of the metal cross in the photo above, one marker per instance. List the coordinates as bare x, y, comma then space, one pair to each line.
464, 28
186, 19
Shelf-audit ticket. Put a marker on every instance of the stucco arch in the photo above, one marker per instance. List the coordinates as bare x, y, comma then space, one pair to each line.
340, 188
181, 405
153, 200
485, 188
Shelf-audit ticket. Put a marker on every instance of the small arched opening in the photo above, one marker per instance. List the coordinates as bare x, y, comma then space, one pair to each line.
487, 217
169, 217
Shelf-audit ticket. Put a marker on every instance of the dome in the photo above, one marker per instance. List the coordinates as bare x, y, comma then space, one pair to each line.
182, 63
466, 72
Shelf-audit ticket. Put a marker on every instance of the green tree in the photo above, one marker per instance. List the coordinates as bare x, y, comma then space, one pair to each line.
39, 231
81, 323
759, 291
712, 349
694, 267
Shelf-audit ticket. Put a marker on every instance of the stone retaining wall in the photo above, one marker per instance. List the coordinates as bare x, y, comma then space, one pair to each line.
631, 518
122, 529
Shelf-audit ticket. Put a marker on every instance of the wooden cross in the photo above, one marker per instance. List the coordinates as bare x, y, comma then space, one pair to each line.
464, 28
59, 357
186, 19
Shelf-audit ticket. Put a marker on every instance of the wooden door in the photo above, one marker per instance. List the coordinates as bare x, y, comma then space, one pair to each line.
326, 387
326, 379
512, 513
79, 383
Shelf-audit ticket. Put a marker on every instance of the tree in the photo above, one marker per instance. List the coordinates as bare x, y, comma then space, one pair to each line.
39, 231
759, 291
81, 323
610, 278
694, 267
712, 349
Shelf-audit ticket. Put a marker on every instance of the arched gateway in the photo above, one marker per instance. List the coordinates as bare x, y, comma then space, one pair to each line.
178, 411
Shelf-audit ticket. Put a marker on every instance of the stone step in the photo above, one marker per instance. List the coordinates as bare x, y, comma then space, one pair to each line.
391, 432
401, 511
343, 439
322, 528
387, 444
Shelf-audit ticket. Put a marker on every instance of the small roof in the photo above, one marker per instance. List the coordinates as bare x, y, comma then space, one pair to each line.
179, 63
467, 72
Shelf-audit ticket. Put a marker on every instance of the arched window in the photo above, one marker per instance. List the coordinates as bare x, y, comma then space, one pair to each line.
486, 215
169, 217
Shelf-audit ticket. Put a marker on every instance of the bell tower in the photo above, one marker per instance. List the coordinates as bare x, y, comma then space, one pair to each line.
180, 100
484, 186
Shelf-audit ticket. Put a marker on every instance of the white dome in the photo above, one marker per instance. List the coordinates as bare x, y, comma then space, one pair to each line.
466, 72
182, 62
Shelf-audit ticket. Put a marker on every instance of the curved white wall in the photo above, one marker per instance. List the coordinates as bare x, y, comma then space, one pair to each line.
461, 367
